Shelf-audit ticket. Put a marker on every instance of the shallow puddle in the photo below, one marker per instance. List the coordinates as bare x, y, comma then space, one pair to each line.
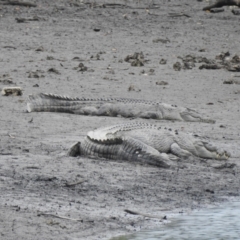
217, 223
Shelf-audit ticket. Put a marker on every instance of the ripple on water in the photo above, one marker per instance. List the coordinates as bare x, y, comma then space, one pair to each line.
218, 223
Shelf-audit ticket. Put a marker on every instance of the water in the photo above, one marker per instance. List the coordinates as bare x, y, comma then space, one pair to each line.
218, 223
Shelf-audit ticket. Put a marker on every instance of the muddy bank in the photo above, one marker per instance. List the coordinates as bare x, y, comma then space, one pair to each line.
79, 51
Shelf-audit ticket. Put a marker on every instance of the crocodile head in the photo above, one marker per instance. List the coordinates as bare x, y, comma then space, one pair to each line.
209, 150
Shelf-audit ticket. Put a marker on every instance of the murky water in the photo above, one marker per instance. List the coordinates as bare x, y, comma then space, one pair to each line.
214, 223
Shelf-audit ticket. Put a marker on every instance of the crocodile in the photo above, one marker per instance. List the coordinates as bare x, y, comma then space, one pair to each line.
114, 107
147, 143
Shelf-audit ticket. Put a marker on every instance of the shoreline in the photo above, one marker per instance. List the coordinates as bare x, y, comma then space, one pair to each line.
187, 217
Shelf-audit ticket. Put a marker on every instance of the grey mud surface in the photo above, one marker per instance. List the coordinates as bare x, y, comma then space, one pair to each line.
35, 173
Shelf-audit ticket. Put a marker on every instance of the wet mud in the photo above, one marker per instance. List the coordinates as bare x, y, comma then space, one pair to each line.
79, 49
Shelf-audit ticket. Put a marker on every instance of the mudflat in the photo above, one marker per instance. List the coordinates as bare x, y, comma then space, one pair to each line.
189, 58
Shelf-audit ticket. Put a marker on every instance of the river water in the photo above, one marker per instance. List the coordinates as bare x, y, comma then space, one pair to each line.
216, 223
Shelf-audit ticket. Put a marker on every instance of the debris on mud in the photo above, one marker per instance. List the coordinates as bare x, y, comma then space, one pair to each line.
177, 66
145, 214
236, 12
188, 65
174, 15
110, 71
137, 63
6, 79
133, 88
157, 40
225, 165
78, 59
147, 73
136, 59
163, 61
36, 74
210, 66
53, 70
15, 91
217, 10
221, 3
97, 56
222, 56
19, 3
221, 61
40, 49
195, 59
81, 68
50, 58
161, 83
26, 20
232, 81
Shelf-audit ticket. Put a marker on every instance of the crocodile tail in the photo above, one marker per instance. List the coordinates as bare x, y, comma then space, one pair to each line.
51, 103
126, 148
74, 151
99, 149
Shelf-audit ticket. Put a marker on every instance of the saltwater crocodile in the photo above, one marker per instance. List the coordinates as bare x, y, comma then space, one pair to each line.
143, 142
129, 108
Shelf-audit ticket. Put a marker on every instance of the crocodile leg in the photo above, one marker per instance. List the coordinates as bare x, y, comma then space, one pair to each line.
178, 151
134, 150
202, 149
